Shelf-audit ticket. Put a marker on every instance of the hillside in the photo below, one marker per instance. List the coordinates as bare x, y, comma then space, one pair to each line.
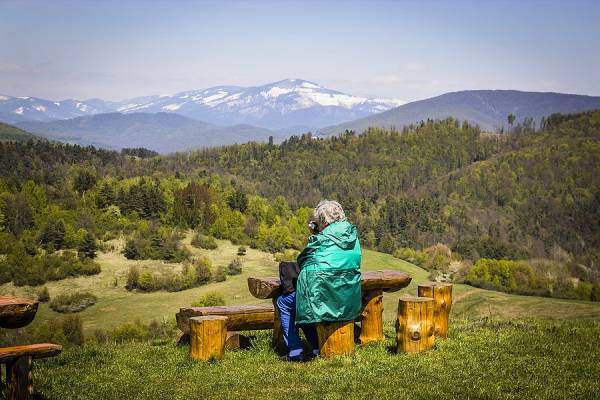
393, 183
162, 132
12, 133
487, 108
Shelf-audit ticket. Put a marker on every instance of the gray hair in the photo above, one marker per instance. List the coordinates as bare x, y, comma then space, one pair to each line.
328, 211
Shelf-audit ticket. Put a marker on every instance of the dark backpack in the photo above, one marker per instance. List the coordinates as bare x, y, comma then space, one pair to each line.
288, 275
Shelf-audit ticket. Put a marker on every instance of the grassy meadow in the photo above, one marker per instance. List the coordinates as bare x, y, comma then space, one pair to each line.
499, 346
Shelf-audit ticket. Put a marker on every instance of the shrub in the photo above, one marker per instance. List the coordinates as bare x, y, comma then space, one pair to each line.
210, 299
71, 303
38, 269
412, 256
146, 281
203, 272
43, 295
133, 277
241, 251
287, 255
220, 274
234, 267
204, 242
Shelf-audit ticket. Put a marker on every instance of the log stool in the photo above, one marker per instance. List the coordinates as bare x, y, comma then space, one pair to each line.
335, 338
207, 337
414, 327
442, 296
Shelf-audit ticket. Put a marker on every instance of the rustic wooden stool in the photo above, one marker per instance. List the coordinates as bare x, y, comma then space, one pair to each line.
414, 326
442, 296
207, 337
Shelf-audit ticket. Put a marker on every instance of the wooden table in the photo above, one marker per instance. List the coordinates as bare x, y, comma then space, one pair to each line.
373, 284
16, 312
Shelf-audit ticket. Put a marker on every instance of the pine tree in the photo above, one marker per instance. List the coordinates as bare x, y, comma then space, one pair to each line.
87, 248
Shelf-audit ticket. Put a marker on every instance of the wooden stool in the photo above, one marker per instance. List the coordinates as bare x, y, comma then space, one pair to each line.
335, 338
414, 327
442, 295
208, 335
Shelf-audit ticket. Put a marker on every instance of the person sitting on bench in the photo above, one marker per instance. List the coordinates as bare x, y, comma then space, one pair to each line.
328, 284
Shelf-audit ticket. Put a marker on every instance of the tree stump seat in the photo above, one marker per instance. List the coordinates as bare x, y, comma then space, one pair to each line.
373, 284
19, 361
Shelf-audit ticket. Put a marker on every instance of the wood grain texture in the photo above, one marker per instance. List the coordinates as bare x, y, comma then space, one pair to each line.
239, 318
19, 379
335, 338
371, 317
40, 350
385, 280
442, 296
278, 343
207, 337
414, 326
16, 312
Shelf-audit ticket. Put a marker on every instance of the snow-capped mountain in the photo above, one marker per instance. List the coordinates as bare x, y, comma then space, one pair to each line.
284, 104
18, 109
287, 104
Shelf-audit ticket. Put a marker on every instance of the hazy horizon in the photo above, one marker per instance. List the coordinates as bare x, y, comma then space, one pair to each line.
402, 50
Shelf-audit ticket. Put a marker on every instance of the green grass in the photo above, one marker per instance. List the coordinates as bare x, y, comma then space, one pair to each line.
481, 359
116, 305
500, 346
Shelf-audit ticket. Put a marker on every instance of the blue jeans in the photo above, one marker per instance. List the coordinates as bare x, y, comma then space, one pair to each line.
286, 303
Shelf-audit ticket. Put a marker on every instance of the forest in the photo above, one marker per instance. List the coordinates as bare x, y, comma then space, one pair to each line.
486, 209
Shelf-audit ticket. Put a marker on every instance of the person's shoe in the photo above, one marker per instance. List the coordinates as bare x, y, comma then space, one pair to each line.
310, 356
287, 358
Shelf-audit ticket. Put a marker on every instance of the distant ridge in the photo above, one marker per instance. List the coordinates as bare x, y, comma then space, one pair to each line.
487, 108
12, 133
162, 132
290, 105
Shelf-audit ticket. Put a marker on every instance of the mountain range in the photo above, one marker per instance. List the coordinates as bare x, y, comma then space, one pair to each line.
487, 108
233, 114
291, 104
162, 132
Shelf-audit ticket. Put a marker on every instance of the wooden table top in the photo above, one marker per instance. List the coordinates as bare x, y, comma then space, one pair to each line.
16, 312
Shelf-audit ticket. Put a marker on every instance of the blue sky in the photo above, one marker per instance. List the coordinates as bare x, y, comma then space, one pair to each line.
405, 50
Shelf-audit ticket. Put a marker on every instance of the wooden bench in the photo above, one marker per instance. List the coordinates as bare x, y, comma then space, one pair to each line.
19, 360
239, 318
373, 284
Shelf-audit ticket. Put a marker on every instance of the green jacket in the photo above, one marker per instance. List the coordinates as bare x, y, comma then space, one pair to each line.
329, 282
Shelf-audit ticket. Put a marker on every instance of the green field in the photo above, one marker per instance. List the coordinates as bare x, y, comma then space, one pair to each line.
116, 305
499, 346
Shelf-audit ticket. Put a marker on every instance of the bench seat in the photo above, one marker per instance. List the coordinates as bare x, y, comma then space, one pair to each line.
239, 318
40, 350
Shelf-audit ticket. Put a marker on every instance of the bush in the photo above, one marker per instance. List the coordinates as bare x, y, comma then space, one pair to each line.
203, 272
234, 267
71, 303
24, 269
43, 295
412, 256
287, 255
220, 274
155, 244
210, 299
241, 251
204, 242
